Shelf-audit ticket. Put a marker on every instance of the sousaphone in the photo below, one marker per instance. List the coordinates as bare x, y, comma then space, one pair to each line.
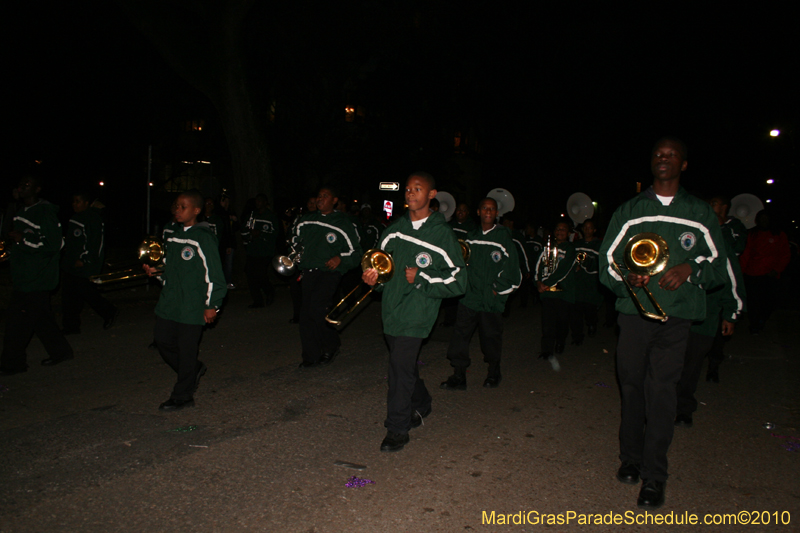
745, 207
579, 207
504, 199
447, 204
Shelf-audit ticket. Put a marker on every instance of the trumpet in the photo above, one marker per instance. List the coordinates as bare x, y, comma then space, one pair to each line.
646, 254
287, 264
151, 252
550, 253
380, 261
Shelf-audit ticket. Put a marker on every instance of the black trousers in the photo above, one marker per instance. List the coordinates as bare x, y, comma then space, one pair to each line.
257, 271
407, 392
178, 344
696, 350
296, 292
556, 316
29, 313
762, 296
650, 358
584, 313
75, 291
490, 332
316, 335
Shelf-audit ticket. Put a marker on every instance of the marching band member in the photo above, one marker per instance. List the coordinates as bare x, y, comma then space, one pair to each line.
588, 297
431, 267
492, 274
650, 353
260, 235
330, 248
555, 271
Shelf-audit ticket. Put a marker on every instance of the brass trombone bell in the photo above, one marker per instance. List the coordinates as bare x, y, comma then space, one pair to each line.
646, 254
383, 263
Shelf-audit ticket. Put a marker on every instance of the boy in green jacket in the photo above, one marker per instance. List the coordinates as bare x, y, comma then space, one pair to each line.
428, 267
193, 289
34, 273
493, 274
650, 353
83, 257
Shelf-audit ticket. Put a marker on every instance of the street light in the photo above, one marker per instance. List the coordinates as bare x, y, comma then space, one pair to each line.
770, 181
774, 133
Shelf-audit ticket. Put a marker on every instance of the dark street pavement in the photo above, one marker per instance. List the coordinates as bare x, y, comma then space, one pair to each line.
84, 447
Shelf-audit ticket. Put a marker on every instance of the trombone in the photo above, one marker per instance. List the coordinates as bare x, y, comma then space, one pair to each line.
646, 254
380, 261
151, 252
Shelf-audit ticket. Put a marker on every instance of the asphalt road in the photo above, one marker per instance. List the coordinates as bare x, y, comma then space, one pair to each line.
84, 447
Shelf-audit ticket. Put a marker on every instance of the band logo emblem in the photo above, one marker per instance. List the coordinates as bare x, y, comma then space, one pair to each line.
688, 240
496, 256
187, 253
423, 259
330, 237
77, 232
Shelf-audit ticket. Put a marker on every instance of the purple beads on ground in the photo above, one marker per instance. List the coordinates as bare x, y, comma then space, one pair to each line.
355, 481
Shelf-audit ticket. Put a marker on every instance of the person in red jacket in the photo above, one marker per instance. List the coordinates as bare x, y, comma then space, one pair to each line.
764, 258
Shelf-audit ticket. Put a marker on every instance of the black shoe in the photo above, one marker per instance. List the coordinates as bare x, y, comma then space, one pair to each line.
592, 331
327, 358
652, 494
394, 442
200, 374
455, 382
683, 421
255, 306
75, 331
712, 376
545, 355
51, 361
628, 473
110, 320
308, 364
559, 347
12, 371
174, 405
492, 382
416, 418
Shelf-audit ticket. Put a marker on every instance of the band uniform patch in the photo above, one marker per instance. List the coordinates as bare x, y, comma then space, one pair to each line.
423, 259
688, 240
496, 256
187, 253
76, 232
330, 237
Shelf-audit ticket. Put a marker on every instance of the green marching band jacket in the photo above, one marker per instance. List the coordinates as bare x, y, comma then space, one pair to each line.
692, 233
410, 309
463, 229
322, 237
84, 242
724, 302
493, 272
369, 236
34, 260
562, 275
263, 245
519, 241
587, 281
192, 278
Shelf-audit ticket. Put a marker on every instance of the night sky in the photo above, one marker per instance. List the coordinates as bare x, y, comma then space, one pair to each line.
563, 99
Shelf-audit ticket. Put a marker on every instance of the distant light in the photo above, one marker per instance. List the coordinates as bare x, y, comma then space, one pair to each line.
150, 184
774, 133
769, 201
562, 214
770, 181
594, 204
205, 162
102, 183
188, 162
